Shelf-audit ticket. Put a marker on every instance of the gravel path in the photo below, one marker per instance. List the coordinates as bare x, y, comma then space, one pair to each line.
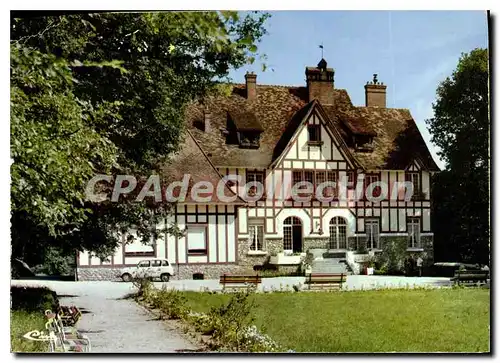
114, 324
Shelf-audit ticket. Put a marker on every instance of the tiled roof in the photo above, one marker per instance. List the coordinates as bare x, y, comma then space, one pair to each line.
245, 120
280, 109
192, 160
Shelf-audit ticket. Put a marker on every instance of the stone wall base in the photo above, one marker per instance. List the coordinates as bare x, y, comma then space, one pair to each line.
182, 272
210, 272
98, 274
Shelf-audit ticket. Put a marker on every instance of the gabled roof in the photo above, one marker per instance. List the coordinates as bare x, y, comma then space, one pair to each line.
301, 118
192, 160
279, 109
290, 129
398, 140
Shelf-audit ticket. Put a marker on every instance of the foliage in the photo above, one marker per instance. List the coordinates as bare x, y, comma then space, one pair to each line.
362, 250
144, 287
228, 323
461, 194
27, 307
391, 320
56, 262
171, 303
22, 322
54, 150
392, 257
33, 299
87, 93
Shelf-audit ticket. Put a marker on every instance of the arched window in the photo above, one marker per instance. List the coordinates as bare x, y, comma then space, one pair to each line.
338, 233
292, 234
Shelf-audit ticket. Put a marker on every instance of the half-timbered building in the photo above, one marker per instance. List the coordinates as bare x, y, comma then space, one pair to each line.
279, 136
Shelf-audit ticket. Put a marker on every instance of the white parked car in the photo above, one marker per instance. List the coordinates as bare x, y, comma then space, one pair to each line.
154, 268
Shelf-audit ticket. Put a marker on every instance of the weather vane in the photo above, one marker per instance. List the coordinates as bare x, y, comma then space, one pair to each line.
321, 47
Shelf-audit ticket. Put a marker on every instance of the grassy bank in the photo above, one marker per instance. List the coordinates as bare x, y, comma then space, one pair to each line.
27, 314
22, 322
444, 320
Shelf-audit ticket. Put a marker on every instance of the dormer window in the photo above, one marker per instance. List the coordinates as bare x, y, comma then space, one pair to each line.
314, 132
246, 128
249, 140
363, 143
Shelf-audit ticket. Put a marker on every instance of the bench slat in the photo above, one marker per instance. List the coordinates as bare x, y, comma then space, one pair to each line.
320, 281
240, 281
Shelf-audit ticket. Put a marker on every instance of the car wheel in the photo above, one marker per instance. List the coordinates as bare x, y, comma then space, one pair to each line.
127, 277
165, 277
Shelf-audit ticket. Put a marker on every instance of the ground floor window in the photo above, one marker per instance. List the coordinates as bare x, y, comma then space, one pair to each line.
256, 231
413, 232
197, 240
338, 233
372, 233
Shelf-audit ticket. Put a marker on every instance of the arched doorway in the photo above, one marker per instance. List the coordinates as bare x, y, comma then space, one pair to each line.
292, 234
338, 233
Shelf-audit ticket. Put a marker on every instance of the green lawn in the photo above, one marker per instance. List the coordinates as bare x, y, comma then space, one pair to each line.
445, 320
22, 322
27, 314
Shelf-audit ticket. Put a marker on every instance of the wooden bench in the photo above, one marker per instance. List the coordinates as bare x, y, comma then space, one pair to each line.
240, 281
470, 276
325, 281
69, 315
65, 339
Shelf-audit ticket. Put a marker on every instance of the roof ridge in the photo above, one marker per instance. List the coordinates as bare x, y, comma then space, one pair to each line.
384, 108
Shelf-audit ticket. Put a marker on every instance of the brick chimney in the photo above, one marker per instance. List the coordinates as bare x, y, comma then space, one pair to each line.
320, 83
251, 84
375, 93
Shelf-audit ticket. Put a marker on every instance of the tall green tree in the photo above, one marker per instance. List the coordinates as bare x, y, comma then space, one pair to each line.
461, 193
106, 93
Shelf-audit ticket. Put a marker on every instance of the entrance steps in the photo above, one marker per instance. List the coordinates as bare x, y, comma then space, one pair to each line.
324, 261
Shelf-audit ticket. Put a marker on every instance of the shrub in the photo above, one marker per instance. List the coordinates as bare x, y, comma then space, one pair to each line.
144, 287
229, 321
56, 262
33, 299
392, 257
172, 303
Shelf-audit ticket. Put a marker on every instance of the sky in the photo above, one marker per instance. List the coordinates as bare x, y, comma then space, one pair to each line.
411, 51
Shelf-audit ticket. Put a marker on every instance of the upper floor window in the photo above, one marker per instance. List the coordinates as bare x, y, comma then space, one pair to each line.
370, 179
249, 140
351, 179
331, 191
258, 177
314, 132
363, 143
316, 178
414, 178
